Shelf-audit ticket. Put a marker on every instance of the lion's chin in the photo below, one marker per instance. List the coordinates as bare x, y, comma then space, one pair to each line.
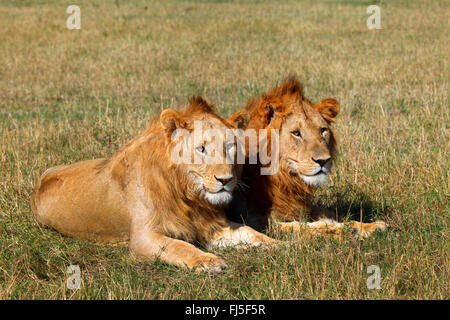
218, 198
315, 180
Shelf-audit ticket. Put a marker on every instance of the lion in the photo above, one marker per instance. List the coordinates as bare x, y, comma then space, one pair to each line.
307, 144
141, 195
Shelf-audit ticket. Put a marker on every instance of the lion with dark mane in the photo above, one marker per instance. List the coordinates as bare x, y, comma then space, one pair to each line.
306, 148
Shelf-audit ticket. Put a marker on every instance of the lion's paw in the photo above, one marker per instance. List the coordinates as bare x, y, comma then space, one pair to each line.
365, 230
210, 263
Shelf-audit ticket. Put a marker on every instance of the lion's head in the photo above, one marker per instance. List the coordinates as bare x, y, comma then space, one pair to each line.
202, 147
305, 134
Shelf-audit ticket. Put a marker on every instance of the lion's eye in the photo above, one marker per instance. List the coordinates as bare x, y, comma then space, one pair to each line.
201, 149
323, 130
296, 133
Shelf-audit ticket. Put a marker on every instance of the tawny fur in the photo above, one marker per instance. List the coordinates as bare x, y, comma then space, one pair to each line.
285, 195
140, 195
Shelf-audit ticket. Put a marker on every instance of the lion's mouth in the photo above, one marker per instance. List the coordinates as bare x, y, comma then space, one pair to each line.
221, 197
315, 180
218, 191
316, 174
295, 163
222, 190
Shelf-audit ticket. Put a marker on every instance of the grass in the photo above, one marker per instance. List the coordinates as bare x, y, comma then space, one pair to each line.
70, 95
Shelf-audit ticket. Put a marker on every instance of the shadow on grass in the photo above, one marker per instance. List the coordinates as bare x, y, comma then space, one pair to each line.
351, 203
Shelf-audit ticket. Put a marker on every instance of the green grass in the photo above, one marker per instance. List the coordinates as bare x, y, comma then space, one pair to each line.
70, 95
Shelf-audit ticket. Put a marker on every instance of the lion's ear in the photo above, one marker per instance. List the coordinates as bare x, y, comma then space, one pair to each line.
239, 119
328, 108
270, 109
171, 120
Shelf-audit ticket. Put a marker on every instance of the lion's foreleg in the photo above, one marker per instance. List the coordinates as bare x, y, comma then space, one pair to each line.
326, 222
241, 236
325, 227
151, 245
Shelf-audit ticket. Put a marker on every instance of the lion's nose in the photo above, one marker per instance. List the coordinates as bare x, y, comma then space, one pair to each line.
321, 161
224, 180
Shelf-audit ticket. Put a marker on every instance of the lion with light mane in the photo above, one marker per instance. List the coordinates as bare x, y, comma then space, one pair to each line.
306, 149
140, 195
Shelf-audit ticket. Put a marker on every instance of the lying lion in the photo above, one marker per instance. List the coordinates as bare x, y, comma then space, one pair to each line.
306, 148
139, 194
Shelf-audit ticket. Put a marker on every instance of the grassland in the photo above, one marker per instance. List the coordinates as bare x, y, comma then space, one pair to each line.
69, 95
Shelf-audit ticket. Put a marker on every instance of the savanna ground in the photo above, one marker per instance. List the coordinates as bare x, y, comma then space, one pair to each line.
70, 95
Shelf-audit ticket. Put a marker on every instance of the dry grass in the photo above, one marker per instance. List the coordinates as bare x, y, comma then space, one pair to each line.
68, 95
